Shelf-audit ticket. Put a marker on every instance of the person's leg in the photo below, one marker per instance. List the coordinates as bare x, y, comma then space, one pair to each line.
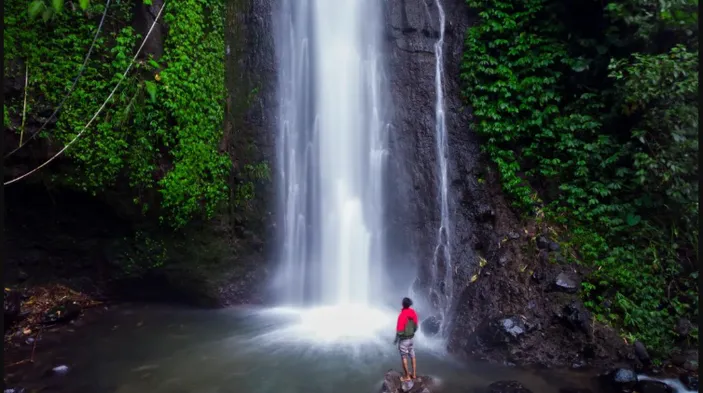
411, 353
404, 353
406, 374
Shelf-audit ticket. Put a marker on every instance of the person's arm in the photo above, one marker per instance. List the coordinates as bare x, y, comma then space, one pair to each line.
416, 320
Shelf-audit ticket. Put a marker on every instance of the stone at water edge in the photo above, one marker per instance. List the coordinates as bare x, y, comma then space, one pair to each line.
430, 326
619, 380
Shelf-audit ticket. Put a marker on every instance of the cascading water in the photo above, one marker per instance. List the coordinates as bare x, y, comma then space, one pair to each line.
332, 153
441, 284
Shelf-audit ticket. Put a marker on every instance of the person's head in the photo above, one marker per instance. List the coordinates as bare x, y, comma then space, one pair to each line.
407, 302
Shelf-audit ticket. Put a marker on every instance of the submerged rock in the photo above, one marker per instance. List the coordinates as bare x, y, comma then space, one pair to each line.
392, 384
507, 387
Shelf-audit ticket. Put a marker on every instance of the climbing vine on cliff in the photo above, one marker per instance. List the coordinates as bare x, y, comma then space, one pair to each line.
160, 133
590, 114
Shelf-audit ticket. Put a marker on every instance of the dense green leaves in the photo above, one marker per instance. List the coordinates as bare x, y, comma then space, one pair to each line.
591, 113
160, 134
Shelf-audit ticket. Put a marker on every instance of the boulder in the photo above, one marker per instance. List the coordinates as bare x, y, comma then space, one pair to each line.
642, 354
392, 384
621, 380
542, 242
565, 282
430, 326
507, 387
575, 316
499, 331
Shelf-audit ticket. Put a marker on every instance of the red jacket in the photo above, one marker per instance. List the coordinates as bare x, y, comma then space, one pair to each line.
405, 314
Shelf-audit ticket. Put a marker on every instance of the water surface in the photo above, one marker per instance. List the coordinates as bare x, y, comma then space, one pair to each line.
160, 349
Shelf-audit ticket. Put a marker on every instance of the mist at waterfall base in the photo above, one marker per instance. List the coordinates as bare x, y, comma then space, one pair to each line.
332, 152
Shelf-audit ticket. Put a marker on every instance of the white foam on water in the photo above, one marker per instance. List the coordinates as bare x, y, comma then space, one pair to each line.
347, 327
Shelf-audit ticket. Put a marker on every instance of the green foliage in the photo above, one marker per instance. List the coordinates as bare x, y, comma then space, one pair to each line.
50, 9
598, 122
161, 132
195, 99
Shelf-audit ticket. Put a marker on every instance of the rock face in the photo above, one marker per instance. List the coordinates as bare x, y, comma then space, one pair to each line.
505, 286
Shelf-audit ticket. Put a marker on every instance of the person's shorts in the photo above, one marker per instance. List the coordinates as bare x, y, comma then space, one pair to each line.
406, 348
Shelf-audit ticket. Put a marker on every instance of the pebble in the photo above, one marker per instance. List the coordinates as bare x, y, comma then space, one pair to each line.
60, 370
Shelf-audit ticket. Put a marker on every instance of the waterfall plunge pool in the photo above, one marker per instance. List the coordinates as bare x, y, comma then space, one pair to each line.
165, 349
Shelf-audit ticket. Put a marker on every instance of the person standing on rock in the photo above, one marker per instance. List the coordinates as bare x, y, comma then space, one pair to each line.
404, 333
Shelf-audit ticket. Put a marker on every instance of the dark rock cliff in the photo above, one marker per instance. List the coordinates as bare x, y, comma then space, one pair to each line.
250, 125
506, 306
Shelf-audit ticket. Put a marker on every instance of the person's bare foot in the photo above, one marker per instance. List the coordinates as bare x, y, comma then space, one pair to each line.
414, 376
405, 378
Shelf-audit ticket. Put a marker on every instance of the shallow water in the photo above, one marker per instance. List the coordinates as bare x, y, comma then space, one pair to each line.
161, 349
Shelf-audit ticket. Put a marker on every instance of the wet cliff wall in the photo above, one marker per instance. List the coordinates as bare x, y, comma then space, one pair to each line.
413, 210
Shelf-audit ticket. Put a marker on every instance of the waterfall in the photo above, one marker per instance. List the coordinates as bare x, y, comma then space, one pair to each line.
332, 153
441, 281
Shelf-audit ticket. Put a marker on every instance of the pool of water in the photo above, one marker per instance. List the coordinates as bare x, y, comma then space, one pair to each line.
160, 349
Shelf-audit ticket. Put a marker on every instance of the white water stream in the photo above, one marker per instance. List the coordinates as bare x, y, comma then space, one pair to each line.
332, 154
441, 280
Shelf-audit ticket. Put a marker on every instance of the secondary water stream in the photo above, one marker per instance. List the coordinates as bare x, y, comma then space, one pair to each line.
160, 349
441, 287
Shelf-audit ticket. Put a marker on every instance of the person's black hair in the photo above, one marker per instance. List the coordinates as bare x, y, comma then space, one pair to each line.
407, 302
